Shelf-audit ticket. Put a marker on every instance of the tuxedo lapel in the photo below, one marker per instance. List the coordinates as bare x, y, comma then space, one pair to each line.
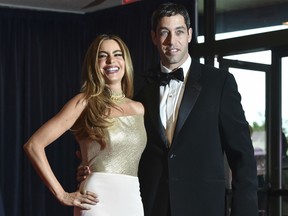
191, 93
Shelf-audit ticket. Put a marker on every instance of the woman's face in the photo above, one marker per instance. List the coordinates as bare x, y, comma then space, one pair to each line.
111, 61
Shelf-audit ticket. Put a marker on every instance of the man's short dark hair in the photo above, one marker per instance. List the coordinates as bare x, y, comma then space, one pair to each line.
169, 9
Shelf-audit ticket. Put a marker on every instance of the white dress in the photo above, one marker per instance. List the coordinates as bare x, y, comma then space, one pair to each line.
114, 169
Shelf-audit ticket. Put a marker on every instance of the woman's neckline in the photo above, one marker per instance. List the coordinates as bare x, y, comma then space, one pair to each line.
130, 115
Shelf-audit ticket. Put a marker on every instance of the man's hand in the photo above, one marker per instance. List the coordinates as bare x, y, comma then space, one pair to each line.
82, 173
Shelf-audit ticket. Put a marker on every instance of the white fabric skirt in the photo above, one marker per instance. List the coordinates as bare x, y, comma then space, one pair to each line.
119, 195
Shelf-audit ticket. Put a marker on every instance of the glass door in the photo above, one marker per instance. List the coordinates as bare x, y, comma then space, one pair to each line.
284, 150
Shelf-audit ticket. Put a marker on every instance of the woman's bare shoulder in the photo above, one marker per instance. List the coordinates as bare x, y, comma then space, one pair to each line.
75, 105
137, 107
78, 100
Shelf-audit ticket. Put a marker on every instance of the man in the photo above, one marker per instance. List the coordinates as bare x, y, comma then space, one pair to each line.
191, 121
189, 125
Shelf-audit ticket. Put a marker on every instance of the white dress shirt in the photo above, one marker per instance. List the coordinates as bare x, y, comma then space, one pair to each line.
169, 94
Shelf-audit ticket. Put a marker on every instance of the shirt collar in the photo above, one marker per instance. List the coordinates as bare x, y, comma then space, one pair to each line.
185, 66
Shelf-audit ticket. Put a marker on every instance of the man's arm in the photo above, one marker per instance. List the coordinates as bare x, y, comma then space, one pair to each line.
239, 150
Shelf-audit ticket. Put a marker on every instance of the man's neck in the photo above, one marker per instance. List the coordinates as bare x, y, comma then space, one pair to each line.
172, 67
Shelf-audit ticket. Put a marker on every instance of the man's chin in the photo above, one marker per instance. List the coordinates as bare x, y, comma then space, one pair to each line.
172, 60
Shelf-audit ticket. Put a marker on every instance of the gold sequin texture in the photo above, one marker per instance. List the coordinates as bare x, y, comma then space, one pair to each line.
126, 142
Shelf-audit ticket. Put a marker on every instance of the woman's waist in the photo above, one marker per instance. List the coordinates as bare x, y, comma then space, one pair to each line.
94, 174
97, 181
115, 169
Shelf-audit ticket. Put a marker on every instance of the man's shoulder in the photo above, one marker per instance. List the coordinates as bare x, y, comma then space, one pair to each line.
144, 93
210, 70
152, 74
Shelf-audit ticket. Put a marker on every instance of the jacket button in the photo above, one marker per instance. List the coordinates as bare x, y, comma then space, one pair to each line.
172, 156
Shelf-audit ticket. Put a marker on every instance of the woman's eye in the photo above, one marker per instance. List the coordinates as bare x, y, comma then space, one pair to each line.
102, 56
118, 55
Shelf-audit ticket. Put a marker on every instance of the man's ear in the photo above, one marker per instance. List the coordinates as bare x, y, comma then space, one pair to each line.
190, 31
153, 37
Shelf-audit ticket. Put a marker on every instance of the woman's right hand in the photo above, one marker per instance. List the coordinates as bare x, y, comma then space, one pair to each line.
78, 199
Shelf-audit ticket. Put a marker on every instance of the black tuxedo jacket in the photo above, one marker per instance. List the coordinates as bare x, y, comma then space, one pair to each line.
188, 177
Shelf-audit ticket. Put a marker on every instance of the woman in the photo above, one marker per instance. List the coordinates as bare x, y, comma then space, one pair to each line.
109, 128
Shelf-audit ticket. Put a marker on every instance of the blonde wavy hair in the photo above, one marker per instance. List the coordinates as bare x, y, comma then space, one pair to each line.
93, 120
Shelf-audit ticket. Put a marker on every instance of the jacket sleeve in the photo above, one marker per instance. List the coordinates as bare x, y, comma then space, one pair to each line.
237, 144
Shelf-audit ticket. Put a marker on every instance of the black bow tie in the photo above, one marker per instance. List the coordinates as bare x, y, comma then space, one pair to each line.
166, 77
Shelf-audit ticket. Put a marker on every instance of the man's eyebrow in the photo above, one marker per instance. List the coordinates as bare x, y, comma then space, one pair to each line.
177, 28
163, 28
181, 27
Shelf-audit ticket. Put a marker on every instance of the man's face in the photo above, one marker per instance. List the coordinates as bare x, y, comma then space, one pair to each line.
172, 38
